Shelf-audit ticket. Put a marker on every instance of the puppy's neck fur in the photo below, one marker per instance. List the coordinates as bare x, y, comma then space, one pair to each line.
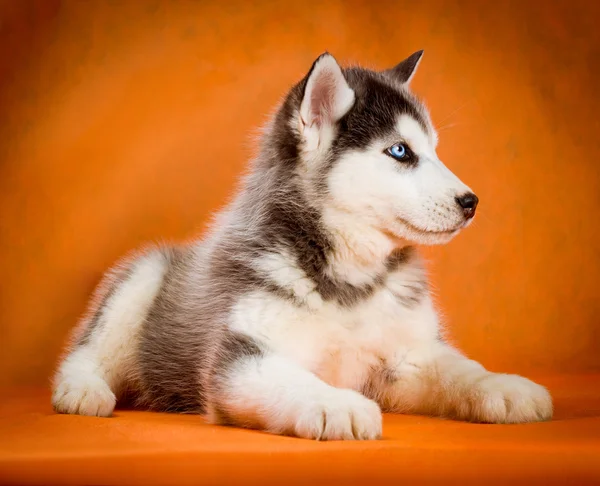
360, 252
346, 259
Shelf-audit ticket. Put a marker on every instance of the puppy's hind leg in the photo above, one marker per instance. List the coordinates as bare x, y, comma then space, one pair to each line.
80, 386
102, 358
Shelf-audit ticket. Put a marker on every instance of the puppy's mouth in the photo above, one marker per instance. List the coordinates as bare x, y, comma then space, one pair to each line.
416, 229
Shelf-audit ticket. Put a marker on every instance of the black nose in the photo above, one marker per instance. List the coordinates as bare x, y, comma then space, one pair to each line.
468, 203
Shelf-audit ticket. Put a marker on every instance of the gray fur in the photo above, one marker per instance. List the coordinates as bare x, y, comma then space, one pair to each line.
380, 378
414, 294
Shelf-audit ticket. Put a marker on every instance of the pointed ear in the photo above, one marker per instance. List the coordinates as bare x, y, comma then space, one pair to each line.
327, 96
404, 71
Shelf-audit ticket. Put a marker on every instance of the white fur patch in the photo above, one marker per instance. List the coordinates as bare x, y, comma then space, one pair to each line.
360, 250
339, 345
381, 195
411, 131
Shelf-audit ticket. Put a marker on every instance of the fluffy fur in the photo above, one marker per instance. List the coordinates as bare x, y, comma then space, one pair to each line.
305, 310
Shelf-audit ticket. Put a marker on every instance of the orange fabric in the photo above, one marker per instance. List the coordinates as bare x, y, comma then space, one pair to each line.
143, 448
127, 122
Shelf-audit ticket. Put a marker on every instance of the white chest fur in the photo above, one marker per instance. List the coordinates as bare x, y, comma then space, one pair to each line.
340, 345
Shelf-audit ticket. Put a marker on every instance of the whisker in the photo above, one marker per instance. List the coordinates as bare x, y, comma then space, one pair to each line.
453, 112
482, 214
446, 127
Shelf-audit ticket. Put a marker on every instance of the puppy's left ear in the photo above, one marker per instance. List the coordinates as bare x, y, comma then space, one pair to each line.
405, 70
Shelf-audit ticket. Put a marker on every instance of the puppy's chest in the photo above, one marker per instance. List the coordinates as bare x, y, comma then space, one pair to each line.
340, 345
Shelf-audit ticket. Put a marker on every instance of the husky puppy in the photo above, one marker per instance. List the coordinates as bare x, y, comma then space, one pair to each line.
305, 310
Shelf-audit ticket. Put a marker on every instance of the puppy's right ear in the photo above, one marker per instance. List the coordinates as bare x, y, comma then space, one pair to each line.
327, 97
405, 70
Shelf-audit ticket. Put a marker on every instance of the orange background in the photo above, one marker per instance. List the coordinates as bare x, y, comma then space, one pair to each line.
124, 122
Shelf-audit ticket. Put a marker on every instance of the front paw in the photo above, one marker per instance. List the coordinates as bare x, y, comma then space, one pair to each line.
507, 399
339, 415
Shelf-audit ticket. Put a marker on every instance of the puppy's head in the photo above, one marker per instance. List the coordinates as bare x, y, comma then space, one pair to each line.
365, 146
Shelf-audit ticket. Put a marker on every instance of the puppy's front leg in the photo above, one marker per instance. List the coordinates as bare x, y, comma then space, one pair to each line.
253, 386
438, 380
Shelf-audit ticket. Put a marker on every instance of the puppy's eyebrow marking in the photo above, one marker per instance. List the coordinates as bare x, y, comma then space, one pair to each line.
414, 135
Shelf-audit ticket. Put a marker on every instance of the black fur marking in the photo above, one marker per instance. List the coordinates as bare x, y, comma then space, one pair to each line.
398, 258
375, 112
84, 338
414, 297
388, 375
381, 377
234, 348
371, 388
170, 349
299, 228
404, 70
343, 293
414, 293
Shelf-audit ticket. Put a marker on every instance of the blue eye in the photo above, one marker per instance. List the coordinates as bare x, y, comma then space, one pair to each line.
398, 151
